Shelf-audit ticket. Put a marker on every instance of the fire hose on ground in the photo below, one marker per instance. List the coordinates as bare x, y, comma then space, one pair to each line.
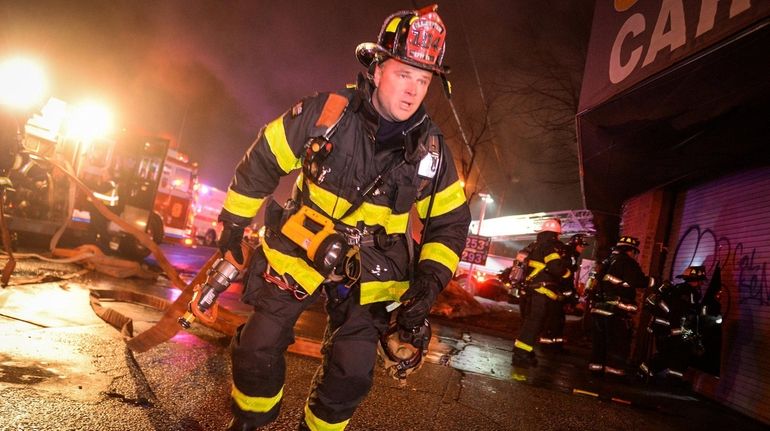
223, 320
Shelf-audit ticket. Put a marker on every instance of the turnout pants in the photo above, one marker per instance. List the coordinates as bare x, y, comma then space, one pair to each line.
553, 327
340, 383
534, 322
611, 342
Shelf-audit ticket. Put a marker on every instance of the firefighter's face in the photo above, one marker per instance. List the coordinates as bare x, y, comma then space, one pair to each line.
400, 90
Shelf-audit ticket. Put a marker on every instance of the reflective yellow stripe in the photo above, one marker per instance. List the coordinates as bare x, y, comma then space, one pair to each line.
446, 200
255, 404
315, 424
547, 292
279, 146
300, 180
241, 205
523, 346
440, 253
567, 274
304, 274
328, 201
392, 25
396, 223
370, 214
538, 266
552, 256
377, 291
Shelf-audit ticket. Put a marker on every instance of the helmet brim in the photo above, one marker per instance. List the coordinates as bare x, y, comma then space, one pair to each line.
367, 52
624, 247
691, 278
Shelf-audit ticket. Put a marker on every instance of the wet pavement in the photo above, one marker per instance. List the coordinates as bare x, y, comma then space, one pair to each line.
62, 368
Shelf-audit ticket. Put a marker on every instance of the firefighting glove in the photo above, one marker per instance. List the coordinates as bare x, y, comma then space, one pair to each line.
418, 337
417, 301
230, 240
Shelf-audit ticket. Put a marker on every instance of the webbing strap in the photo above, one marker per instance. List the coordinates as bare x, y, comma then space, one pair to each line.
331, 114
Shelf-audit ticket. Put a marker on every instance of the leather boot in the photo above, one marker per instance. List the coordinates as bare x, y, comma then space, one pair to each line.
238, 425
523, 359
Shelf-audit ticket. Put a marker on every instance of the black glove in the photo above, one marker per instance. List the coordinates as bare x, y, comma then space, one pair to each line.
418, 337
230, 240
417, 301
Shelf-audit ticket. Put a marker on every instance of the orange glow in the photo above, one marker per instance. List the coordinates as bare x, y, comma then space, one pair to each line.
22, 83
480, 276
188, 241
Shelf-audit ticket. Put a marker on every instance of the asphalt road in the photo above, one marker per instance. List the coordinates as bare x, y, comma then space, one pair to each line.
62, 368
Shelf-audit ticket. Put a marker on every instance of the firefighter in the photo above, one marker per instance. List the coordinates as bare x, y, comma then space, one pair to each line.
552, 338
613, 306
546, 272
514, 276
675, 313
368, 154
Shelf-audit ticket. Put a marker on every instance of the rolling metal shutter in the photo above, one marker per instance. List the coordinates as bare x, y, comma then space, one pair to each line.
727, 221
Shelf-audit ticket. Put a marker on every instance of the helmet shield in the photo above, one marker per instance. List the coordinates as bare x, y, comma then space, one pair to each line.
693, 273
415, 37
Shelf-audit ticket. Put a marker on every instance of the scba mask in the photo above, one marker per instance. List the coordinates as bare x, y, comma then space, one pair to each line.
403, 352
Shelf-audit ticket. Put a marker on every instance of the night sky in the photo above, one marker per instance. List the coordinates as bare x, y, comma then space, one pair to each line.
210, 74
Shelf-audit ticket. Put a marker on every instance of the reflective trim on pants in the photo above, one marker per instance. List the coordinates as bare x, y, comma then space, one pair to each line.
523, 346
547, 292
255, 404
317, 424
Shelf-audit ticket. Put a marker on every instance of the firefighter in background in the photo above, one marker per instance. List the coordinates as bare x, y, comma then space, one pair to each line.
368, 154
546, 271
676, 313
513, 279
105, 189
552, 337
613, 302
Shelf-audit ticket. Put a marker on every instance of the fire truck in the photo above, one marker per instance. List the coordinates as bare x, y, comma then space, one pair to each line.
174, 206
208, 203
124, 172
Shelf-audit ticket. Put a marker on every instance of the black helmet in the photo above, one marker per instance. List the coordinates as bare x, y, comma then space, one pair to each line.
577, 240
628, 242
693, 273
415, 37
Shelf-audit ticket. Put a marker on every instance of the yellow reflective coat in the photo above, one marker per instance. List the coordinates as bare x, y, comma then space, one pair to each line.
351, 166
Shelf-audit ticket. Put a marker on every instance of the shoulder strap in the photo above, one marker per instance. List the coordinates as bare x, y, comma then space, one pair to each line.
332, 113
433, 148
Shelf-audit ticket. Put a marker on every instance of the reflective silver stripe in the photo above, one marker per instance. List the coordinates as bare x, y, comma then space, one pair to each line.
676, 331
601, 312
595, 367
663, 322
615, 371
626, 307
663, 306
650, 300
671, 372
645, 369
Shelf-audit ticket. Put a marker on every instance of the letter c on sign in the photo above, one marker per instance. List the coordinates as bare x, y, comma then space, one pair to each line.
634, 25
